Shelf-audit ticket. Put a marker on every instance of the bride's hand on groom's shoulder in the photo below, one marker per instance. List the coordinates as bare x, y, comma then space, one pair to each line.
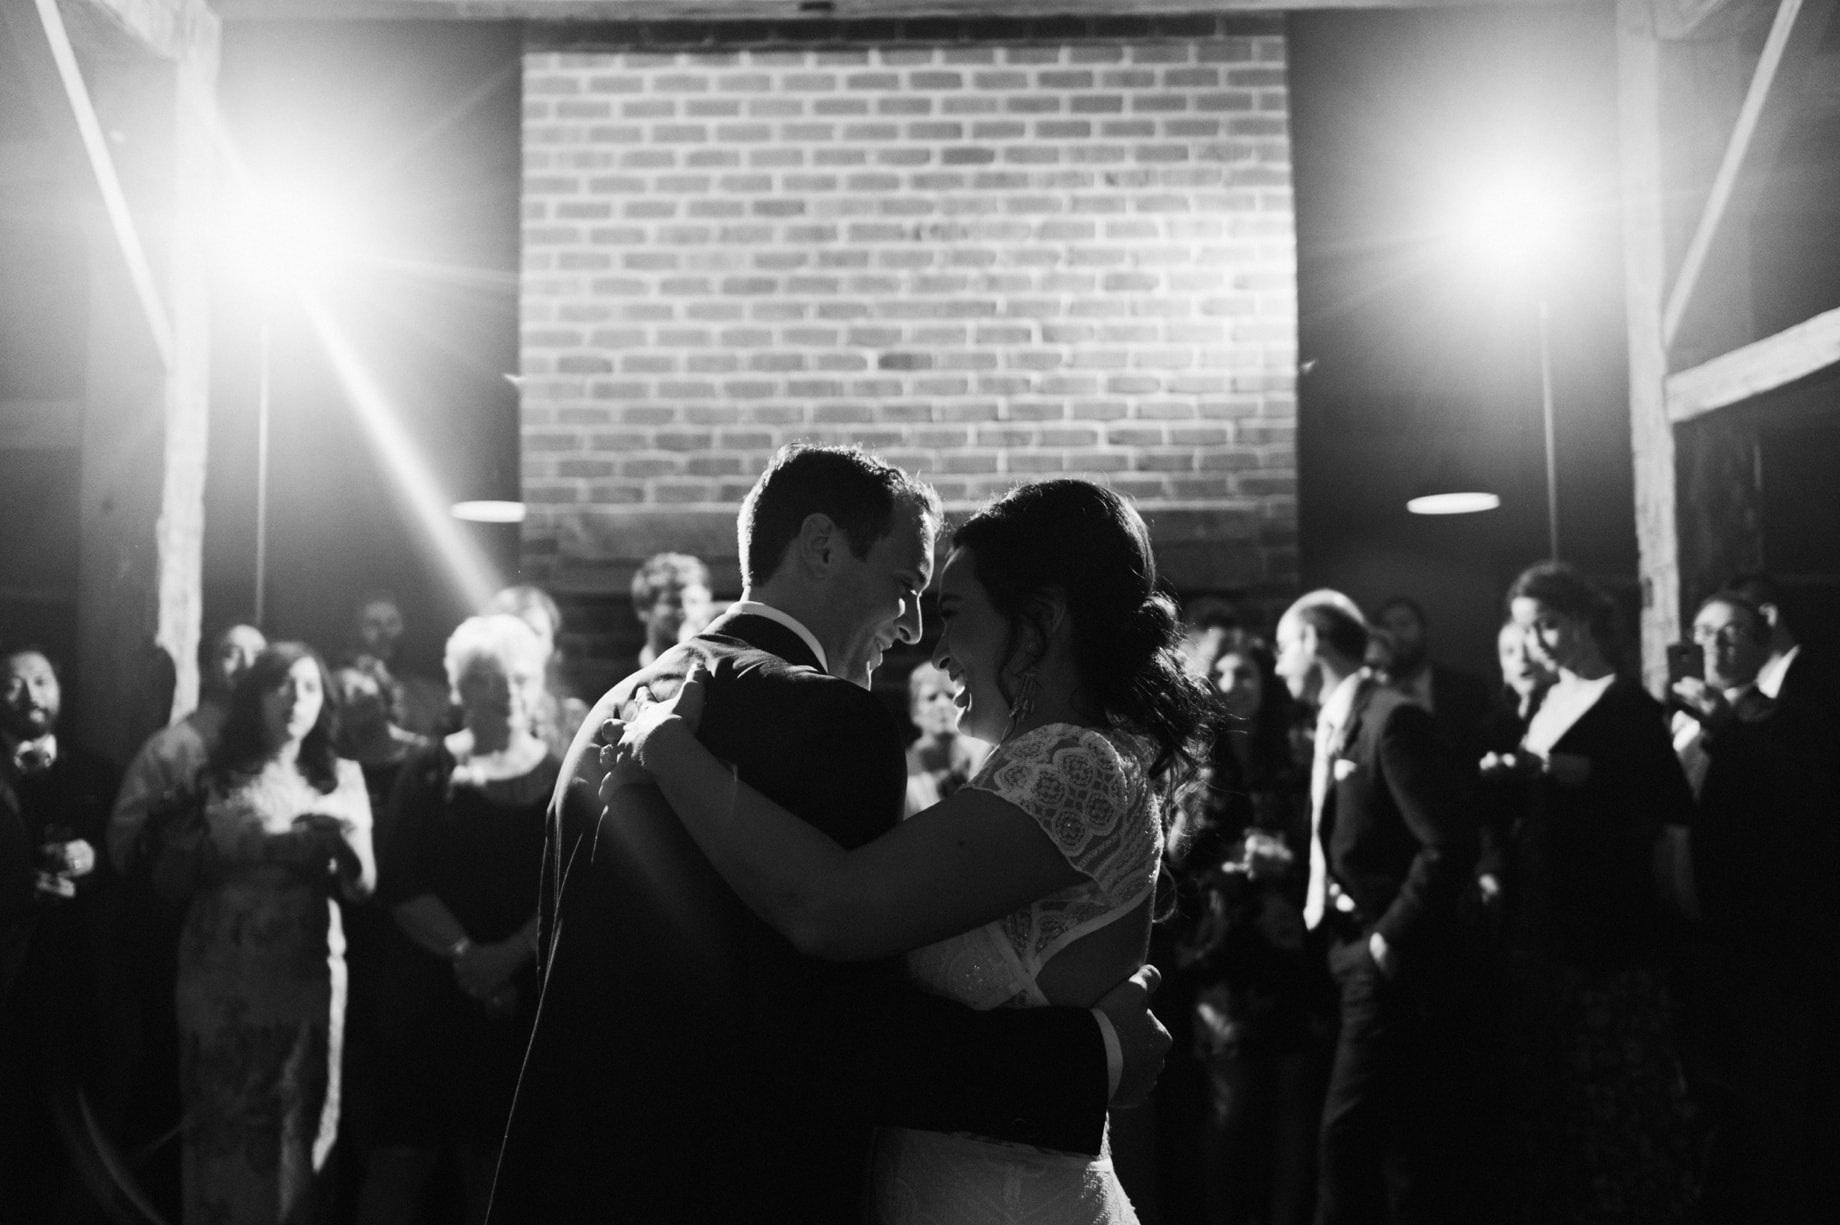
631, 748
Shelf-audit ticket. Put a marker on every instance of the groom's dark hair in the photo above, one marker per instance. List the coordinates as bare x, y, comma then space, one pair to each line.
858, 492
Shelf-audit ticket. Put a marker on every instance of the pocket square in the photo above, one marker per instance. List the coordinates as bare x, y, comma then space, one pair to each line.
1343, 768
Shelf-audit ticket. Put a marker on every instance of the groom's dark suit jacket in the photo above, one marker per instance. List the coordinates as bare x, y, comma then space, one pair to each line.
688, 1064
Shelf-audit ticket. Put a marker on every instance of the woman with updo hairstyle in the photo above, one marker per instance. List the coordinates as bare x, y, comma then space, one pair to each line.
1031, 885
1600, 1126
261, 981
460, 877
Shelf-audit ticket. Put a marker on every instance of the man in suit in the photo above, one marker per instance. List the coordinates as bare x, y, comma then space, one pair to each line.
1762, 853
688, 1064
1392, 845
61, 1040
1457, 701
1795, 671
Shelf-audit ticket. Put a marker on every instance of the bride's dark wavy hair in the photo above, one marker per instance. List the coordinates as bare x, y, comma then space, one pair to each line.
1081, 542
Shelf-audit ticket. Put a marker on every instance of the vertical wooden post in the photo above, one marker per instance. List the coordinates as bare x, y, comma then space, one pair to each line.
180, 531
1645, 278
141, 495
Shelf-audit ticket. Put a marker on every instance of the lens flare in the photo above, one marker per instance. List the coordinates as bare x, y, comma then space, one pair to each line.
472, 571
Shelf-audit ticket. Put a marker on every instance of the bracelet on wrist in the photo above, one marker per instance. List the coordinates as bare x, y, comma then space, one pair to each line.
459, 949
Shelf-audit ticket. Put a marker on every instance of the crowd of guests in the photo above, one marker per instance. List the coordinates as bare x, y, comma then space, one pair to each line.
1511, 956
282, 968
1434, 949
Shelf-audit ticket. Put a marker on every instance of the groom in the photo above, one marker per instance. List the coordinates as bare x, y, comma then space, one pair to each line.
688, 1064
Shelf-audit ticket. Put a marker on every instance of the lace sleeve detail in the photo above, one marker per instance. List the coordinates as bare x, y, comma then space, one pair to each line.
1089, 792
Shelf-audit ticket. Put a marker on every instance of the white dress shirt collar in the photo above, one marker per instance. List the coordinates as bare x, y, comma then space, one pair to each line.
754, 608
1338, 705
1770, 676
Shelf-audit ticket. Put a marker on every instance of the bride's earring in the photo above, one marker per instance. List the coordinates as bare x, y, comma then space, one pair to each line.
1023, 704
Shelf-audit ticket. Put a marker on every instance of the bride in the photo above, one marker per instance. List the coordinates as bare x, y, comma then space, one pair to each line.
1033, 884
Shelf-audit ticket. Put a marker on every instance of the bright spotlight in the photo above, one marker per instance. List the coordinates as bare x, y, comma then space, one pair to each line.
284, 234
1512, 219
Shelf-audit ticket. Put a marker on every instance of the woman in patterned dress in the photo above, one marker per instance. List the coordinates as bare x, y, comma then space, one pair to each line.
1034, 883
261, 987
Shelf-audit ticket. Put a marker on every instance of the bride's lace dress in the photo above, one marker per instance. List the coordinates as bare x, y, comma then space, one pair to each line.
1090, 792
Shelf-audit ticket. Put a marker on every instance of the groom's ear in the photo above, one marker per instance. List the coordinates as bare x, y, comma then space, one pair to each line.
818, 542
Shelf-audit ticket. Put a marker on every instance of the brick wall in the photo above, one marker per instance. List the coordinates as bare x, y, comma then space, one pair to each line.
988, 250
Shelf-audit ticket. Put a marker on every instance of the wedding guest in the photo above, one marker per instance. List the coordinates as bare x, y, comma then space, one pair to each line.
1253, 996
940, 760
367, 735
174, 757
1458, 701
1763, 858
460, 878
672, 599
1502, 799
1525, 678
557, 713
1601, 1126
1392, 847
61, 994
1795, 671
167, 767
1208, 630
418, 703
261, 989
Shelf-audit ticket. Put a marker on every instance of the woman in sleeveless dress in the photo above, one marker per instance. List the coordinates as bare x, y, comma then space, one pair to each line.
261, 984
1034, 883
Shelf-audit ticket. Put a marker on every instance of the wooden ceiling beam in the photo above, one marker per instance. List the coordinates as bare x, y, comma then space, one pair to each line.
1791, 47
165, 29
1679, 19
733, 10
1762, 366
49, 60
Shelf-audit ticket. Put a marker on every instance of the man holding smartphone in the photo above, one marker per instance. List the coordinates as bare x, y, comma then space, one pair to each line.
1762, 852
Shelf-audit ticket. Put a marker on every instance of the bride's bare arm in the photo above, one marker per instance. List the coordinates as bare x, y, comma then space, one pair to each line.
959, 864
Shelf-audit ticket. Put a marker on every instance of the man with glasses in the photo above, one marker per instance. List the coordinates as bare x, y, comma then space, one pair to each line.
1760, 975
